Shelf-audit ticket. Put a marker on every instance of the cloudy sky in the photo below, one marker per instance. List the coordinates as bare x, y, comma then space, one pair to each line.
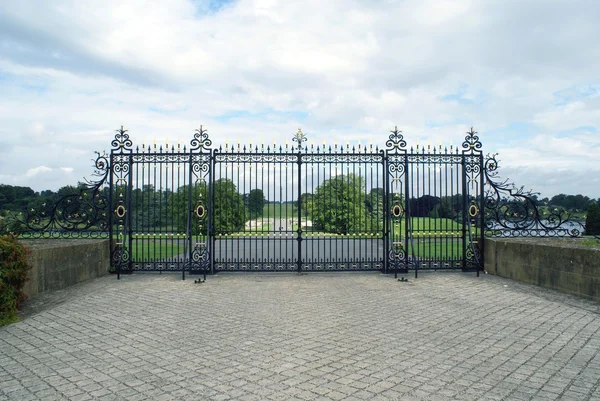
525, 74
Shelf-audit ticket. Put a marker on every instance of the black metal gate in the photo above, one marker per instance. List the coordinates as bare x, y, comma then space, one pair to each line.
303, 207
159, 199
434, 199
306, 208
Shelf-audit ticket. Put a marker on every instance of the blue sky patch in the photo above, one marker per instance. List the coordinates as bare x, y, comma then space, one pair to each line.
584, 129
574, 93
207, 7
513, 130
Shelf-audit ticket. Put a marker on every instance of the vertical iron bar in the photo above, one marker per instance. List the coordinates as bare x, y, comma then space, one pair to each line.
465, 219
299, 230
129, 213
407, 217
481, 206
111, 208
386, 214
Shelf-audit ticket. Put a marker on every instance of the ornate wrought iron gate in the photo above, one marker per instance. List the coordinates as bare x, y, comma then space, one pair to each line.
295, 208
435, 202
160, 198
200, 209
303, 207
317, 216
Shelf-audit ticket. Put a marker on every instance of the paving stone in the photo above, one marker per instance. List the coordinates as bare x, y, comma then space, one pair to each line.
304, 337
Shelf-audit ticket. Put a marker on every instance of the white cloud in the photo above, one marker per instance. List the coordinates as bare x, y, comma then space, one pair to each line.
71, 72
37, 170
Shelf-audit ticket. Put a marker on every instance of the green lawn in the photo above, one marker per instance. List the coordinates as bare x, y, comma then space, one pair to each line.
590, 241
440, 248
430, 227
277, 210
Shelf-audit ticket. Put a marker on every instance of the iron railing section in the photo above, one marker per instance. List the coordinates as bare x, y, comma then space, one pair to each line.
287, 172
77, 215
511, 211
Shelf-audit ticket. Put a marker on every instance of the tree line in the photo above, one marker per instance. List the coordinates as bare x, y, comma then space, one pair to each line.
341, 204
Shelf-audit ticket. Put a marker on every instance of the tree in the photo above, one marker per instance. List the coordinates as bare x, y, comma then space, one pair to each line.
374, 201
305, 199
445, 209
179, 206
338, 206
228, 208
229, 212
256, 203
592, 220
374, 204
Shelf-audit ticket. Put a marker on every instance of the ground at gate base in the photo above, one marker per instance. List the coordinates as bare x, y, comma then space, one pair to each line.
344, 336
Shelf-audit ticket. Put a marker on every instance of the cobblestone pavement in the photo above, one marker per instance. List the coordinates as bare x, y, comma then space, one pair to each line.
444, 336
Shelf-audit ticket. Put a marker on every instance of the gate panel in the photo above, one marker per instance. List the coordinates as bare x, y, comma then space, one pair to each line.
434, 198
254, 219
342, 217
120, 202
159, 199
435, 204
160, 194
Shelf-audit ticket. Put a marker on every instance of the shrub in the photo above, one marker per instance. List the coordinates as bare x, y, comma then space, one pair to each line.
13, 275
592, 221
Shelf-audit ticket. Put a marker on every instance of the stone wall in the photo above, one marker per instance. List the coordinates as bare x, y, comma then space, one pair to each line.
60, 263
558, 263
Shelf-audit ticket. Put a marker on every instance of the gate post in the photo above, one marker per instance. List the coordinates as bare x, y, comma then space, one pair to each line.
386, 215
299, 138
111, 240
465, 211
129, 221
481, 215
407, 220
210, 235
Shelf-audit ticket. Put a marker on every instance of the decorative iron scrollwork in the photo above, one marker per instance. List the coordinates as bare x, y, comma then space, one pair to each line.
299, 138
471, 144
200, 211
396, 140
120, 211
121, 140
512, 211
81, 214
200, 258
120, 258
201, 140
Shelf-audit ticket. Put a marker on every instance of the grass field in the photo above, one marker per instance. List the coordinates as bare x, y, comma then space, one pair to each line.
428, 224
277, 210
441, 248
591, 241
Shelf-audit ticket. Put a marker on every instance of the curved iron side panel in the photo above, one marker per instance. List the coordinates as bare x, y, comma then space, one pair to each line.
511, 211
81, 214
